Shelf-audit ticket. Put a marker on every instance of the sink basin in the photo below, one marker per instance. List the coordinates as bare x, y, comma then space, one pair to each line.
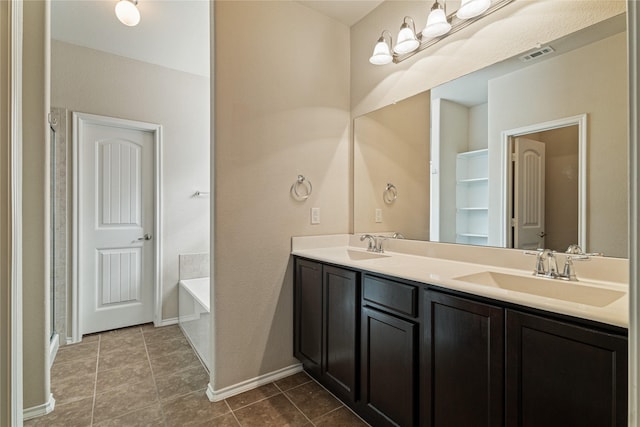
362, 255
550, 288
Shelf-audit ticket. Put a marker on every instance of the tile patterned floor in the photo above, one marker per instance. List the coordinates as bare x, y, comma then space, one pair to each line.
146, 376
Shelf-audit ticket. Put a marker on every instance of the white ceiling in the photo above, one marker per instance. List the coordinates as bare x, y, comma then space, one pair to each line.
171, 33
346, 11
472, 89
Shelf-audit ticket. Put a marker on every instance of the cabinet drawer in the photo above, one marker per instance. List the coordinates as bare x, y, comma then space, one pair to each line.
390, 295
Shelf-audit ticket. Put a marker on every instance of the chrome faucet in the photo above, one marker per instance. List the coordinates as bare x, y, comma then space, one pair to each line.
379, 241
574, 253
546, 265
372, 242
375, 242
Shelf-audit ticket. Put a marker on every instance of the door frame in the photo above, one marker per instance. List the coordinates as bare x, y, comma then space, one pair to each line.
80, 120
11, 354
506, 170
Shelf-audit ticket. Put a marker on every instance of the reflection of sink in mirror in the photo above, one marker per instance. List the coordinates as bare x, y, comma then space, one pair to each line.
550, 288
361, 255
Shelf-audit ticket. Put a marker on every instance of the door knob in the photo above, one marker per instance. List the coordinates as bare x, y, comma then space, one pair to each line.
147, 236
542, 234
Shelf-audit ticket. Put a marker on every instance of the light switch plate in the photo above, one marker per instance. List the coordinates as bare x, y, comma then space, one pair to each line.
378, 215
315, 215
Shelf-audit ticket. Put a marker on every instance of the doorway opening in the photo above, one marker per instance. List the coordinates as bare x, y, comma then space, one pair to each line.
545, 185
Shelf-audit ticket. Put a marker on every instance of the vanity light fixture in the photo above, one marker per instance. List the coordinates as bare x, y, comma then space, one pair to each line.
439, 25
472, 8
382, 50
407, 39
437, 22
128, 13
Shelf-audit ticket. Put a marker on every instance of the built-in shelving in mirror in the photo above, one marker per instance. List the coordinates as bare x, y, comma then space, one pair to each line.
452, 152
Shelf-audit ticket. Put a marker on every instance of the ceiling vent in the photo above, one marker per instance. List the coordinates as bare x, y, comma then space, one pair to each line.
538, 53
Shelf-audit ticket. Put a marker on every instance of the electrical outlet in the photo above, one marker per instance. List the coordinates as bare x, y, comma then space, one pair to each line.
315, 215
378, 215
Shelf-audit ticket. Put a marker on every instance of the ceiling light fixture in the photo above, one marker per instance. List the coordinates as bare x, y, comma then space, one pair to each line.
128, 13
439, 25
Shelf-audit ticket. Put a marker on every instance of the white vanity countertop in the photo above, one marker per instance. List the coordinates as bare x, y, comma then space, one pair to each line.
443, 272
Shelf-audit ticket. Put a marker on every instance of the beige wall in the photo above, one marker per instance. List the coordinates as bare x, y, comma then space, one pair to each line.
35, 133
453, 127
282, 109
478, 126
512, 30
553, 91
391, 145
91, 81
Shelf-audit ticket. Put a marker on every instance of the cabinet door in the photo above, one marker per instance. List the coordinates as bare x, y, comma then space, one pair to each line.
559, 374
463, 356
341, 299
389, 369
308, 314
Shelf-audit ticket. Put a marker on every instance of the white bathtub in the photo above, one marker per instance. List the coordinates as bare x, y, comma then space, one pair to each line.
194, 315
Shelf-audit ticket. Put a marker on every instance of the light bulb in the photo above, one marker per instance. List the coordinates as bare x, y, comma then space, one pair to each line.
472, 8
437, 24
407, 41
381, 54
128, 13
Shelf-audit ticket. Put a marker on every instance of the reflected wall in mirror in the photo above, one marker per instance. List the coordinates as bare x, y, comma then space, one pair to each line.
391, 146
474, 123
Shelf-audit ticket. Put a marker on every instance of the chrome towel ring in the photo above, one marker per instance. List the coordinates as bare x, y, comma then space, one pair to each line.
390, 193
301, 182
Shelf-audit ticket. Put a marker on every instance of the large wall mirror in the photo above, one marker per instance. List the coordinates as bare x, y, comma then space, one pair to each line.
530, 152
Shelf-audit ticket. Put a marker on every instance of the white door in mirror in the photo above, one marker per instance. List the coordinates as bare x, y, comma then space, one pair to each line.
528, 199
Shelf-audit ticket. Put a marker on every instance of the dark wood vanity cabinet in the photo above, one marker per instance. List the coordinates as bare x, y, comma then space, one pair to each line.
562, 374
402, 353
389, 347
340, 331
308, 315
462, 362
326, 313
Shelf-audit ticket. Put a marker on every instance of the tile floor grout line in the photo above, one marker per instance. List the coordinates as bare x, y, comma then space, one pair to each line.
153, 377
95, 380
340, 401
233, 414
298, 386
257, 401
296, 406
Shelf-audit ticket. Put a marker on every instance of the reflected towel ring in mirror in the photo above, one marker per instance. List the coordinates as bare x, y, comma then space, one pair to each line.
390, 193
304, 182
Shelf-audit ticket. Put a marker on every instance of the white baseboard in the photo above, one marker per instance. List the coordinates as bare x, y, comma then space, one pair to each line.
189, 318
40, 410
167, 322
53, 349
232, 390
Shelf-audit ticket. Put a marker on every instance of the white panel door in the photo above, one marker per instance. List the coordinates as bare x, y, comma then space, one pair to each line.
528, 198
116, 257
